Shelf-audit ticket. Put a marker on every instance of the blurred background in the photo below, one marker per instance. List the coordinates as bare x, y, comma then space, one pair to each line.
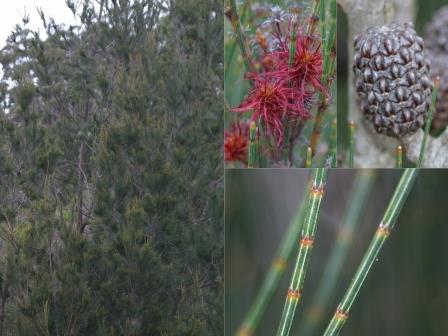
405, 293
424, 10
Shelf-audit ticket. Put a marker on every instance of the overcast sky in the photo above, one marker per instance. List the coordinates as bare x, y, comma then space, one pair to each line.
12, 12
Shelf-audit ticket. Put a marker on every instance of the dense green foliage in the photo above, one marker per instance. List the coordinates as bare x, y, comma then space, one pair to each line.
110, 172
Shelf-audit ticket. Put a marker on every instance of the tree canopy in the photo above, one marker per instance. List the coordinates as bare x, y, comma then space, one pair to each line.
111, 173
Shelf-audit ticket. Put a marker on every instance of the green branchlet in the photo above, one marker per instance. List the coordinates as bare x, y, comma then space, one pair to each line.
294, 293
351, 150
382, 233
399, 158
232, 15
325, 289
252, 159
309, 158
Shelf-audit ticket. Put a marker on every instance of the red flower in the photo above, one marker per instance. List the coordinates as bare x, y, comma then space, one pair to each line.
236, 142
273, 101
306, 69
282, 92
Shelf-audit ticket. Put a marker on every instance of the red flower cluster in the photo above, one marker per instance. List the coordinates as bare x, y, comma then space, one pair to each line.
236, 142
305, 73
282, 92
273, 101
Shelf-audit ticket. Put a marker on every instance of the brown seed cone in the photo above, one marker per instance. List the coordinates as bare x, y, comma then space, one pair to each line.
392, 78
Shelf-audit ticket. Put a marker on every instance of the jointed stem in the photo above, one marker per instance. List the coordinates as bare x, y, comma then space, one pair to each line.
232, 15
292, 43
232, 49
328, 67
317, 127
251, 163
315, 11
356, 204
315, 196
381, 234
274, 274
351, 150
288, 150
399, 159
309, 158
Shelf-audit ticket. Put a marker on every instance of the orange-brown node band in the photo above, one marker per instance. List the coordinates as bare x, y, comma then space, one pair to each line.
293, 294
317, 191
307, 241
383, 231
341, 315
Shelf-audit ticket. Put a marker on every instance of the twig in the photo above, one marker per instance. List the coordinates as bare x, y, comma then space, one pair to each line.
317, 127
314, 13
292, 53
292, 43
309, 158
232, 16
356, 204
315, 196
232, 49
384, 229
351, 151
328, 69
399, 162
252, 146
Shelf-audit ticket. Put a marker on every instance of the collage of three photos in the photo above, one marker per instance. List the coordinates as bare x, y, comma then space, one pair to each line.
223, 167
